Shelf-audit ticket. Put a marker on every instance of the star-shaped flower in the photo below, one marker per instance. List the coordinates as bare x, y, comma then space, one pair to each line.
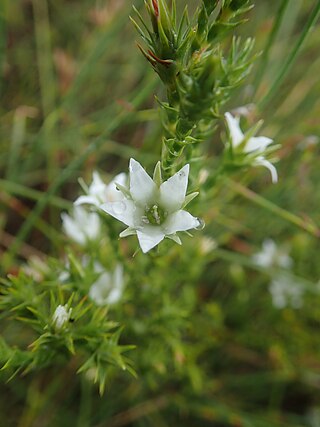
286, 292
82, 227
253, 146
153, 209
99, 192
272, 256
108, 288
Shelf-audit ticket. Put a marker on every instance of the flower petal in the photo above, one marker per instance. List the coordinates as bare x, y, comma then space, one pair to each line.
258, 143
124, 211
121, 179
261, 161
82, 226
114, 296
149, 237
142, 187
97, 186
100, 289
112, 192
266, 256
118, 284
72, 229
97, 189
93, 226
91, 200
88, 222
180, 221
61, 316
234, 129
173, 191
96, 192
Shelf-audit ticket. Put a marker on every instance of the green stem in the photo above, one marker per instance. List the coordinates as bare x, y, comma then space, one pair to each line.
271, 207
47, 82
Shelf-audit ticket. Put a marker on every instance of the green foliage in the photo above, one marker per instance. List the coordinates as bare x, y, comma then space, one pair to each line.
189, 58
88, 335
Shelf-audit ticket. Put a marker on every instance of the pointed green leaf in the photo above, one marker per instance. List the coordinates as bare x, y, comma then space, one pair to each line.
189, 198
124, 190
140, 31
175, 238
128, 232
157, 177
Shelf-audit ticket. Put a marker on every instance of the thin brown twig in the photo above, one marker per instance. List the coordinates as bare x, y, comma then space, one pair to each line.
26, 250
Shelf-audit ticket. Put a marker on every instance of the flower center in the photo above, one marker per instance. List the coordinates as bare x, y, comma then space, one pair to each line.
154, 215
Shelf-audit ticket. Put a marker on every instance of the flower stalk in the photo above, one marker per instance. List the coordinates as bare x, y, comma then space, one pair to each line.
198, 76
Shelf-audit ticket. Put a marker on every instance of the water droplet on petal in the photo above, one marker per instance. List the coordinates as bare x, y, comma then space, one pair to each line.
201, 224
119, 208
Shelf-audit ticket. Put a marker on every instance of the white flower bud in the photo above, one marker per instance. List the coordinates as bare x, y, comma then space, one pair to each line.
61, 316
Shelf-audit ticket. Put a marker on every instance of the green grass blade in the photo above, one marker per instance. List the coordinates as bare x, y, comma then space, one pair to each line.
142, 93
291, 58
32, 194
271, 207
101, 46
266, 51
2, 40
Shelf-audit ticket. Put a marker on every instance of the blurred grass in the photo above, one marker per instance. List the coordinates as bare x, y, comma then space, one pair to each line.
76, 95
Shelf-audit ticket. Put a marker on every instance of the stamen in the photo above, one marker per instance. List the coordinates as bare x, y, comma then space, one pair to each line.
154, 215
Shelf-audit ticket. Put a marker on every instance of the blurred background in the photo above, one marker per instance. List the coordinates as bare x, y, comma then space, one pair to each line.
76, 95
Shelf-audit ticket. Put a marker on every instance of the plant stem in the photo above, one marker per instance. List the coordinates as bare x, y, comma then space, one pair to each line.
30, 193
266, 204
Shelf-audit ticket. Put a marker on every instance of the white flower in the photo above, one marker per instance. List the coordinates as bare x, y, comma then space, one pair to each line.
153, 210
99, 192
203, 176
254, 145
64, 275
108, 288
272, 256
36, 268
286, 292
244, 110
82, 227
207, 245
61, 316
